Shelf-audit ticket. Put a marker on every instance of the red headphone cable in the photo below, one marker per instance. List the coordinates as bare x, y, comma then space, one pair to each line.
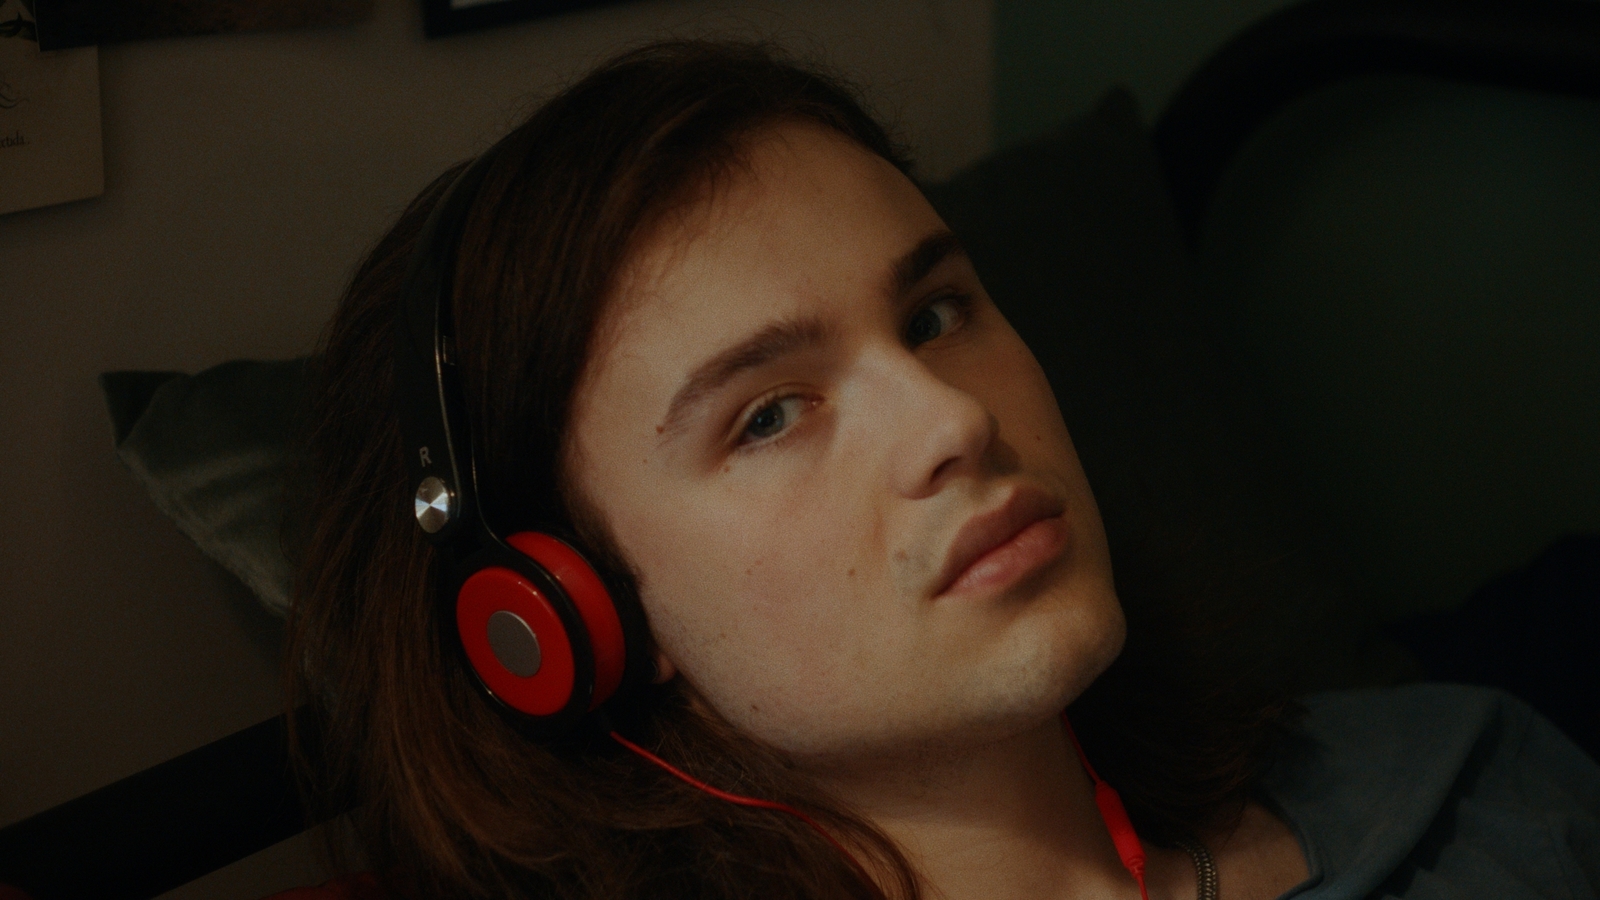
1115, 816
1105, 797
740, 799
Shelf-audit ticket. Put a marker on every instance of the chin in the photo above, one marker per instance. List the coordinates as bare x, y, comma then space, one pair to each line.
1028, 678
1015, 684
1048, 663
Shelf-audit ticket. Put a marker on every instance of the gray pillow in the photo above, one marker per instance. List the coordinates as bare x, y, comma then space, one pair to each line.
213, 450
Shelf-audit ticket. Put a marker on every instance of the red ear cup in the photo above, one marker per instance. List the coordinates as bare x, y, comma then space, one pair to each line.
496, 602
595, 606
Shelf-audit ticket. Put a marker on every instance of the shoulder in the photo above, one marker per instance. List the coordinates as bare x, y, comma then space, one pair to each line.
1404, 791
1418, 734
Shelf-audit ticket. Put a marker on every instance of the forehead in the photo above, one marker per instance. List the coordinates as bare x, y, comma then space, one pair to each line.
810, 223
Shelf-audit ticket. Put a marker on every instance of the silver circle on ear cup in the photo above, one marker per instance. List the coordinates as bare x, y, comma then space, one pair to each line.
434, 505
514, 644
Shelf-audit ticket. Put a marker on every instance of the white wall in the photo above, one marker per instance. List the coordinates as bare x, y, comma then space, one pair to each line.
245, 174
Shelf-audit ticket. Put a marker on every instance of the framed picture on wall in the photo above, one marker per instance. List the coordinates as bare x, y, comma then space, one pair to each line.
49, 117
442, 17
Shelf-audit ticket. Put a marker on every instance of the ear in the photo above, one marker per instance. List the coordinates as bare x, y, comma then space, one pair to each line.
665, 670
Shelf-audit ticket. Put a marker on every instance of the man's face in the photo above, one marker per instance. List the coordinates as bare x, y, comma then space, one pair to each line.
859, 524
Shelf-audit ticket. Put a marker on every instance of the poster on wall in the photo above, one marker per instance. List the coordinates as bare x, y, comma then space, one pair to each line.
49, 117
79, 23
442, 17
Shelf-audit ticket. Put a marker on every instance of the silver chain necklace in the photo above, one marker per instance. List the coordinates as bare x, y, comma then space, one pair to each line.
1205, 870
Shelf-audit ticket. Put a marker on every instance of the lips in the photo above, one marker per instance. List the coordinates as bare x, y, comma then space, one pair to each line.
1005, 543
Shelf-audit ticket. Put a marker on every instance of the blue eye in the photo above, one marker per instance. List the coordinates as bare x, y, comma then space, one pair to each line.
772, 419
934, 320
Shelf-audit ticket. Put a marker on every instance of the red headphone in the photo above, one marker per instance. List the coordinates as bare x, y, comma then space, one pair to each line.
514, 637
537, 626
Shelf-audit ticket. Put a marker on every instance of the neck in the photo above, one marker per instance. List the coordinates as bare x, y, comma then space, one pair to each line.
1011, 819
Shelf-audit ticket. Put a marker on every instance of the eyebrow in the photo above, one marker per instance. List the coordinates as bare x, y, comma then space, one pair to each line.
776, 340
788, 336
909, 270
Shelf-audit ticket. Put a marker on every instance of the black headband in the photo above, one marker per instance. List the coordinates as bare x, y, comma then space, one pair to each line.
428, 400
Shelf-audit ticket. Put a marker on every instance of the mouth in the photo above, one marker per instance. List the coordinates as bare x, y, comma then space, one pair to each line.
1004, 545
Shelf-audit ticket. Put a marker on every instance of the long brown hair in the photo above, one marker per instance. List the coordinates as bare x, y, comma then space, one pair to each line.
453, 801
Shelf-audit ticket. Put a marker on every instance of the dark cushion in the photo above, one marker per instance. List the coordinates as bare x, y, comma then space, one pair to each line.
1074, 236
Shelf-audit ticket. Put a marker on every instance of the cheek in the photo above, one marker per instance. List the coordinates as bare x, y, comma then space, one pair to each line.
752, 590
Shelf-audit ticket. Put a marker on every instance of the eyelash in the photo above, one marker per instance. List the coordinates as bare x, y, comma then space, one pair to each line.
962, 304
744, 445
963, 311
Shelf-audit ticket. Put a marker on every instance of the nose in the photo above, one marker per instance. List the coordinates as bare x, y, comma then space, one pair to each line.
939, 432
